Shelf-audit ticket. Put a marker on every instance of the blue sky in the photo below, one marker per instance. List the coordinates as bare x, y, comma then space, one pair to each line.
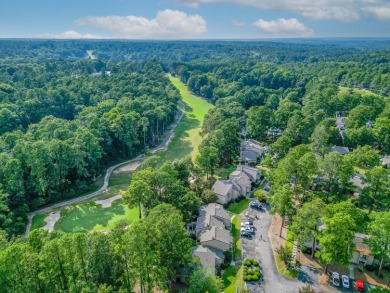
193, 19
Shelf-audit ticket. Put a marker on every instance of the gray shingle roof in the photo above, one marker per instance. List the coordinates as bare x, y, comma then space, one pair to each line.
211, 215
207, 258
216, 233
340, 149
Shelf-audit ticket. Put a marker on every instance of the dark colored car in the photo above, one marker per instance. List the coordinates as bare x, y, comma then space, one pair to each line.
255, 205
246, 234
359, 285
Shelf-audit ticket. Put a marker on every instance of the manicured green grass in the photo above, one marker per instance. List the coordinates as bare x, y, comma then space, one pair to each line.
362, 92
232, 279
282, 268
89, 216
290, 239
187, 135
236, 231
360, 170
38, 221
238, 208
92, 217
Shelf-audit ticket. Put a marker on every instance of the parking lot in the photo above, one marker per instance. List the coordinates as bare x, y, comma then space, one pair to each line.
259, 248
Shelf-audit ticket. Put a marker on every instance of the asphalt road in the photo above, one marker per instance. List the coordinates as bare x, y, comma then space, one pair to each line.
259, 248
163, 146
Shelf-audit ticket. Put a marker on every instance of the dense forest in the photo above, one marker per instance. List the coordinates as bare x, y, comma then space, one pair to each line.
65, 117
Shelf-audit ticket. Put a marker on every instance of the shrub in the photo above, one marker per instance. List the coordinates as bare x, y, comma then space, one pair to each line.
238, 199
226, 205
228, 256
255, 263
285, 254
224, 265
260, 195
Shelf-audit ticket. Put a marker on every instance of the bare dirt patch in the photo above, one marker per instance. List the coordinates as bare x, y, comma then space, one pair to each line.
106, 203
51, 220
129, 167
274, 231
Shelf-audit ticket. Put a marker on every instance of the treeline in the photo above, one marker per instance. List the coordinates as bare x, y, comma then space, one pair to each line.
308, 51
59, 133
152, 253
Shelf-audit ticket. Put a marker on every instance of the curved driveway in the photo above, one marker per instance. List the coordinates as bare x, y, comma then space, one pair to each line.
260, 248
140, 158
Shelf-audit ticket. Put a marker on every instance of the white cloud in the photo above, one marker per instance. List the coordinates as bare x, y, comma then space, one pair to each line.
237, 22
378, 12
342, 10
281, 27
70, 35
167, 24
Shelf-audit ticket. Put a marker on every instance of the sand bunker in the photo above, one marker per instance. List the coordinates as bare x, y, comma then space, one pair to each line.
129, 167
106, 203
50, 220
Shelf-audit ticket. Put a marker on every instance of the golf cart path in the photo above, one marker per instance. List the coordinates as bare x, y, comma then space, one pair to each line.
140, 158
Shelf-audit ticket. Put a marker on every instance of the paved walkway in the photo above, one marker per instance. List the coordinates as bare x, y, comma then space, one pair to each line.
140, 158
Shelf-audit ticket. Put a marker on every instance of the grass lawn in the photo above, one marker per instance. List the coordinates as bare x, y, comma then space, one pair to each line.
282, 268
236, 231
92, 217
344, 89
224, 172
233, 278
290, 240
38, 221
360, 170
238, 208
187, 138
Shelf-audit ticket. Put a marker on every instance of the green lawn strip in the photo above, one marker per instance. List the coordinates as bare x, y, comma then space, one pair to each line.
344, 89
236, 231
92, 217
290, 239
282, 268
38, 221
238, 208
187, 135
232, 279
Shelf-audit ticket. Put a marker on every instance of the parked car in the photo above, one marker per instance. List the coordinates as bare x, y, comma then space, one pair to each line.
246, 234
336, 278
345, 281
359, 285
248, 223
255, 205
247, 229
